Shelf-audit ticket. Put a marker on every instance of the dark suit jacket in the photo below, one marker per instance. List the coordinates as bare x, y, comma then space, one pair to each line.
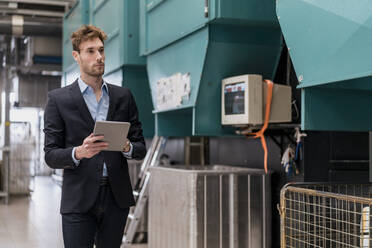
67, 122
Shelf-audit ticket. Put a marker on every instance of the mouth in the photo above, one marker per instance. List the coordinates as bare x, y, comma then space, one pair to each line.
100, 65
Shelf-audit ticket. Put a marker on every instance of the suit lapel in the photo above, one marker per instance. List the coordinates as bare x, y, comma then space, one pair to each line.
80, 103
112, 103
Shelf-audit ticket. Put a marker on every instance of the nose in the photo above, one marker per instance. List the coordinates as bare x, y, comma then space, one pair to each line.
99, 56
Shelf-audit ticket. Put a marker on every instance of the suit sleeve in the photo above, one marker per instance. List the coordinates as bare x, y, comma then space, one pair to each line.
135, 132
57, 156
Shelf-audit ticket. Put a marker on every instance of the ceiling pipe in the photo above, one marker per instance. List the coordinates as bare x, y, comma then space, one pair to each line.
30, 26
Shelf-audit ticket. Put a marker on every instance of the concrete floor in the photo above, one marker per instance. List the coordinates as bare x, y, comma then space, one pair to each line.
34, 221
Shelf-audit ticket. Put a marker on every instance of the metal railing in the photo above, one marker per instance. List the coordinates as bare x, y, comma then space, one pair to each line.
326, 215
5, 174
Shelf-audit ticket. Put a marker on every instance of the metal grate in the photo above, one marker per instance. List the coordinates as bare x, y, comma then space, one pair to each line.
22, 157
326, 215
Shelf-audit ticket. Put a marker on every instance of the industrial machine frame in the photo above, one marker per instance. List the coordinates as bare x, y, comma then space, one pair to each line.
326, 215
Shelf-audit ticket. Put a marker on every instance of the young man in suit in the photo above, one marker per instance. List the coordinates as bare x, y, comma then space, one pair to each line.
96, 190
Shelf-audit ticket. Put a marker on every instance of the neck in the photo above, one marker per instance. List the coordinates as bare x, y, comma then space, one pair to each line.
93, 81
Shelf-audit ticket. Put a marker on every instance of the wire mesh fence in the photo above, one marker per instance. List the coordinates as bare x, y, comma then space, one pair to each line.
326, 215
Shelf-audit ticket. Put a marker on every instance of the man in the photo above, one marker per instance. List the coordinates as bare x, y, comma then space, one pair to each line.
96, 190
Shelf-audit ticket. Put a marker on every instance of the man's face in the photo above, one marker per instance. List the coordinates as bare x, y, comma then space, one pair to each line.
91, 57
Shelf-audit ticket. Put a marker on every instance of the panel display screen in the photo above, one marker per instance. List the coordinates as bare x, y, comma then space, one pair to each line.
234, 98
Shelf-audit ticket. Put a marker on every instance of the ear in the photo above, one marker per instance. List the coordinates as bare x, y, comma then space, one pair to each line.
75, 54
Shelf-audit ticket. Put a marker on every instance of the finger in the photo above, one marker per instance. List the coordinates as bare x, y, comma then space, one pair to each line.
90, 136
126, 146
127, 143
99, 145
95, 138
96, 150
88, 146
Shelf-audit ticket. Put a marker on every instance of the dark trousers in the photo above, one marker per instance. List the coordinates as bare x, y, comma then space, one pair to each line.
103, 225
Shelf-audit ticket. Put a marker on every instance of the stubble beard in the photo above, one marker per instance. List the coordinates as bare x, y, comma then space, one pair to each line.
94, 72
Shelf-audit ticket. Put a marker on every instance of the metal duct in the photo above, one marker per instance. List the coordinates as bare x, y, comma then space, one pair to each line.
31, 26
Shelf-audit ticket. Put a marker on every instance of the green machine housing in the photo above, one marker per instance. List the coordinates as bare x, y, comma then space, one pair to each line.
77, 16
330, 46
124, 66
209, 41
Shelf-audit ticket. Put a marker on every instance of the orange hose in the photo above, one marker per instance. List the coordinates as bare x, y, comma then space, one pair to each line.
260, 134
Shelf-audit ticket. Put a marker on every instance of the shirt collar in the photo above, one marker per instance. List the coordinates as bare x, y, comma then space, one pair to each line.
83, 86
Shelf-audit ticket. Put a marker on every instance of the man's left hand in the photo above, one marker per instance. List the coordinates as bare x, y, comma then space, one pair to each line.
126, 146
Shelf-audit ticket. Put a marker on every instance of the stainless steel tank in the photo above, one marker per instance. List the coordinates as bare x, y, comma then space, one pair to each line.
210, 207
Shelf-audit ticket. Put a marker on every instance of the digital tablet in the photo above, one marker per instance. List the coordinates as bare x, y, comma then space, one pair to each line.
115, 133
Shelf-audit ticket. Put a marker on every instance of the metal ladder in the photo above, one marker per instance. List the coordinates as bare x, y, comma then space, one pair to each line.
140, 191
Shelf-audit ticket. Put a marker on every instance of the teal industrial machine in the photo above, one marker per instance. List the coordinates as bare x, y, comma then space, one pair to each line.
124, 66
330, 43
192, 45
77, 16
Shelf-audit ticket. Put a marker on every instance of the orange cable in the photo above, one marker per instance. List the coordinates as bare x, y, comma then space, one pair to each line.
260, 134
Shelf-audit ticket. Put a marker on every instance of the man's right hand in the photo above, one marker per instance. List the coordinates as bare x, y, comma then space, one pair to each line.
92, 145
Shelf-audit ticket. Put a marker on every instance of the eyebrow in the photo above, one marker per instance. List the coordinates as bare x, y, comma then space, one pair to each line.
92, 47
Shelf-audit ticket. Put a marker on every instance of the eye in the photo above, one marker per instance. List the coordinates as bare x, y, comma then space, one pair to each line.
90, 51
101, 50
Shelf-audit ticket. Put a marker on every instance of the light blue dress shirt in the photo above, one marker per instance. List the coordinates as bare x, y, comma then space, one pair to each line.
98, 111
